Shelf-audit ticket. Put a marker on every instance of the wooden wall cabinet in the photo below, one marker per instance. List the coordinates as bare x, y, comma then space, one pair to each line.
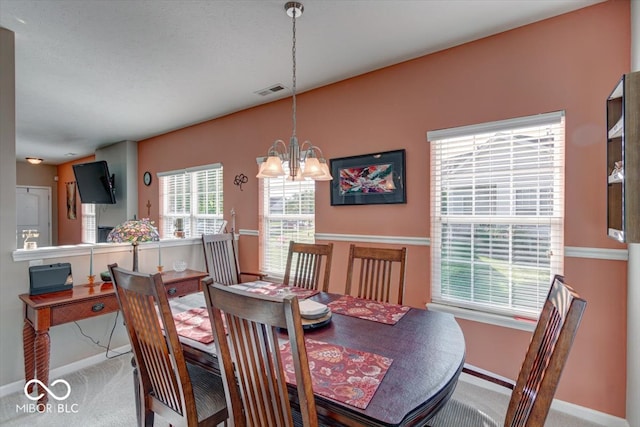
623, 160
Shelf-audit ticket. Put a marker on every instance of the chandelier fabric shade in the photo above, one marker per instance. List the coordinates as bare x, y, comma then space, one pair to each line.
305, 161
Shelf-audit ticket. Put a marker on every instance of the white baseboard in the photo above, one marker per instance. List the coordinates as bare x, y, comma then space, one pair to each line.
61, 371
574, 410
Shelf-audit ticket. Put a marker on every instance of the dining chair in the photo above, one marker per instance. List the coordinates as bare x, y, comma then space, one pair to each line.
221, 260
375, 272
181, 393
248, 350
537, 381
305, 265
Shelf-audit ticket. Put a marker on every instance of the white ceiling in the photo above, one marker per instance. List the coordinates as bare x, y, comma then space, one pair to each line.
93, 72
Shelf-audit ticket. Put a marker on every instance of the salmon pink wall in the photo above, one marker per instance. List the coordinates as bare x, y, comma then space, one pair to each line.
568, 63
69, 230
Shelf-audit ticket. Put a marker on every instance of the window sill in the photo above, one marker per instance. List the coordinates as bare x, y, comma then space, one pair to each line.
51, 252
274, 277
491, 319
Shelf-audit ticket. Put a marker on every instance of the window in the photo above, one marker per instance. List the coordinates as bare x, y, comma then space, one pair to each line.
497, 202
288, 213
88, 223
193, 197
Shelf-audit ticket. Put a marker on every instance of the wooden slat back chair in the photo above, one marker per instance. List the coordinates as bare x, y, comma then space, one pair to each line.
540, 372
221, 260
249, 356
305, 265
183, 394
374, 274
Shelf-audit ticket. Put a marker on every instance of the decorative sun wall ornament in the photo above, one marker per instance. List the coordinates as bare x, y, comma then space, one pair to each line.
240, 179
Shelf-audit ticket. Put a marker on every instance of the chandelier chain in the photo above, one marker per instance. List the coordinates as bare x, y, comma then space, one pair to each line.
305, 161
293, 56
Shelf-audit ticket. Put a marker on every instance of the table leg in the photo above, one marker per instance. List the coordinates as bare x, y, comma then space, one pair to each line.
28, 342
43, 347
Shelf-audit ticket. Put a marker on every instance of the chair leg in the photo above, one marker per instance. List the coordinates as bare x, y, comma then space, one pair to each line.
144, 416
148, 418
138, 393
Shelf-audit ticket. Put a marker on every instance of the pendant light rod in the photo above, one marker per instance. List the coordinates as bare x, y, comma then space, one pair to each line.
307, 154
294, 9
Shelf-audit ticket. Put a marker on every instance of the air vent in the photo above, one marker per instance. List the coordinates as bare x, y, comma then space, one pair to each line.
272, 89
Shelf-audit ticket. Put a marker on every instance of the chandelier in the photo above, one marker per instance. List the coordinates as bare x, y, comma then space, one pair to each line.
306, 160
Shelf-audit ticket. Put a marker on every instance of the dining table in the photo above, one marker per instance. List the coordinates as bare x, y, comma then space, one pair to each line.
424, 352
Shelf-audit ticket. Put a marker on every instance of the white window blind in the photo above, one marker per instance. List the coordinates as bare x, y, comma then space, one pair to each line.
89, 226
288, 213
497, 203
195, 195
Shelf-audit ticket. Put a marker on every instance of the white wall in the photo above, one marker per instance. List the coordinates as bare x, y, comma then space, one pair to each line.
633, 280
12, 278
635, 35
122, 159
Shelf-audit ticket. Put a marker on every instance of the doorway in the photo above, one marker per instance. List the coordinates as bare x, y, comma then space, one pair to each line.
33, 212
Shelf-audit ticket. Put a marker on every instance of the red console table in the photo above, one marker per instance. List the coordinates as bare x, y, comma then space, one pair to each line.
41, 312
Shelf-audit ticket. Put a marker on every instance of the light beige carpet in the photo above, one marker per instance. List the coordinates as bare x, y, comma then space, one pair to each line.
102, 396
494, 405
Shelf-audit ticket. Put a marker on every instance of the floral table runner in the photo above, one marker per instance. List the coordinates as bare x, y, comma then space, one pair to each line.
369, 310
275, 289
194, 324
340, 373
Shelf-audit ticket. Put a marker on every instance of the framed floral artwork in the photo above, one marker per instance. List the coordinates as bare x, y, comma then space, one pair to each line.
368, 179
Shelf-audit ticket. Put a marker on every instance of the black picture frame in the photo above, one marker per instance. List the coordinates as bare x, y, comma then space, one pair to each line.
369, 179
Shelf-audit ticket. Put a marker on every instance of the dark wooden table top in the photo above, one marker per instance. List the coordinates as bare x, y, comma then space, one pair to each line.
428, 352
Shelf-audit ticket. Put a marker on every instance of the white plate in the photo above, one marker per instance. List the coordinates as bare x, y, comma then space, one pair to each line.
315, 316
312, 310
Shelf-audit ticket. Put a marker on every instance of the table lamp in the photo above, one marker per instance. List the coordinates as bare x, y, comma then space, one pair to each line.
134, 231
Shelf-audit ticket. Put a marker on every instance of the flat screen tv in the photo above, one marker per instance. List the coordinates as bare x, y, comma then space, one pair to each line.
94, 182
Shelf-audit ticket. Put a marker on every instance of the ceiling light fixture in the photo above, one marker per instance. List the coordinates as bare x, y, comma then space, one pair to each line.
34, 160
306, 160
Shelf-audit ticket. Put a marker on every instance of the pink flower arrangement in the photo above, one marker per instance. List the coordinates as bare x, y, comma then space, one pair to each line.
134, 231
